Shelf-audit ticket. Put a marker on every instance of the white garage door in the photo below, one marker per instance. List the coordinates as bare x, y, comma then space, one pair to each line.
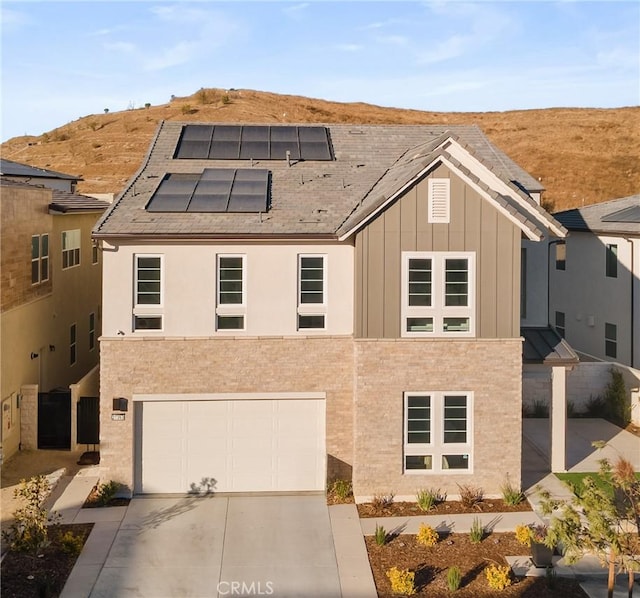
246, 445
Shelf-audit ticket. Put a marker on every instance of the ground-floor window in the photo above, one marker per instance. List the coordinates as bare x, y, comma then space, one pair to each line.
438, 432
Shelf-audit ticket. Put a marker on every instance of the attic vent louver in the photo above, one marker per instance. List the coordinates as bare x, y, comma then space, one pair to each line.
439, 201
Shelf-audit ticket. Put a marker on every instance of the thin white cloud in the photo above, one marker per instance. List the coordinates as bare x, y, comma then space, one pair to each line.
180, 53
618, 57
13, 20
123, 47
483, 24
393, 40
349, 47
194, 33
294, 10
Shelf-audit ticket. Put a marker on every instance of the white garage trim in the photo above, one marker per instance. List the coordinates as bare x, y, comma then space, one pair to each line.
232, 396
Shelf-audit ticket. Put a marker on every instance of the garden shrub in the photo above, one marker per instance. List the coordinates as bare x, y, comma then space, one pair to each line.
341, 489
476, 533
107, 491
427, 498
470, 496
380, 535
498, 576
454, 578
402, 581
71, 543
427, 536
29, 531
523, 534
511, 495
383, 501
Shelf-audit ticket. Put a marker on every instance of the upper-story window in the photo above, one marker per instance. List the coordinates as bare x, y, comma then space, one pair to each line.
312, 304
561, 256
437, 432
611, 268
439, 201
610, 340
231, 296
39, 258
70, 248
438, 294
147, 311
95, 254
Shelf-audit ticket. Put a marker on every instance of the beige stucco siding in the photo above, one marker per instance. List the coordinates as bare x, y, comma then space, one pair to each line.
240, 365
189, 287
490, 370
475, 226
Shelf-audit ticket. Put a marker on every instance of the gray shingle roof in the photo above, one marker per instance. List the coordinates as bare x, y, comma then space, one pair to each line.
74, 202
618, 216
309, 197
61, 201
11, 168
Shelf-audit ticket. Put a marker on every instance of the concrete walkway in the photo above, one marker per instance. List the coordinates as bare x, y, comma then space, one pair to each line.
207, 546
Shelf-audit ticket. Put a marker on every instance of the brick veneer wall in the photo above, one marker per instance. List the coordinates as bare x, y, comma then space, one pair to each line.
214, 365
364, 426
387, 369
25, 213
29, 417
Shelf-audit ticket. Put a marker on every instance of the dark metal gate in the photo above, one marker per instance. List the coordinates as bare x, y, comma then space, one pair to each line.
54, 419
88, 423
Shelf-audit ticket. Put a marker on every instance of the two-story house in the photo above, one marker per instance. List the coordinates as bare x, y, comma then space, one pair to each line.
49, 305
594, 293
287, 304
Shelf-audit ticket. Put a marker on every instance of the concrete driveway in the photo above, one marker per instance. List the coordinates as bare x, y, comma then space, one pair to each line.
280, 546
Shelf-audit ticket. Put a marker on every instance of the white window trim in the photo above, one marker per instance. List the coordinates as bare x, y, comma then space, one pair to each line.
438, 311
71, 233
439, 213
95, 254
437, 447
228, 309
312, 309
143, 310
40, 259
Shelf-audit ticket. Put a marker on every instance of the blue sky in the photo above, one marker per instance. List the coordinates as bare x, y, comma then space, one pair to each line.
65, 60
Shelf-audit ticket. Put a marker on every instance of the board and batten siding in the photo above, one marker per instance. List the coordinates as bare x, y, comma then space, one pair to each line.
475, 225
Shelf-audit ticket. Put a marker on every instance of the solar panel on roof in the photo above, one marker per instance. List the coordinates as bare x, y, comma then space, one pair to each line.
197, 133
212, 192
250, 191
194, 142
225, 143
257, 142
215, 190
283, 140
173, 193
193, 150
314, 144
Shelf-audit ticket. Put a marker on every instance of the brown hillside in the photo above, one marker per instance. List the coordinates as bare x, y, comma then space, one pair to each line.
582, 156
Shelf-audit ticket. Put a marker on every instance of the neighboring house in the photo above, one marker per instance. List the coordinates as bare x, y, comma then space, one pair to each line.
33, 175
50, 315
287, 305
595, 281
